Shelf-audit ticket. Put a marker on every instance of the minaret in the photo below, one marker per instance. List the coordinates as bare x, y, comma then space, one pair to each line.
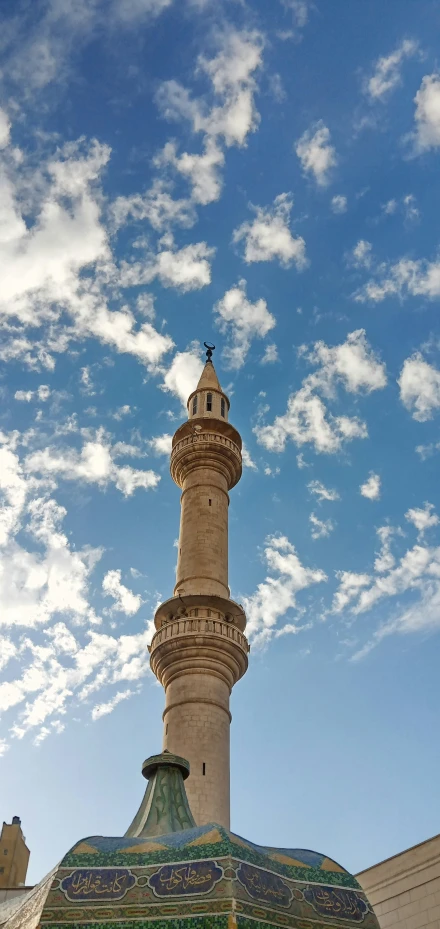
199, 650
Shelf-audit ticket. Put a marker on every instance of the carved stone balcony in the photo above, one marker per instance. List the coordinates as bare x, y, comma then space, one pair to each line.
192, 644
217, 445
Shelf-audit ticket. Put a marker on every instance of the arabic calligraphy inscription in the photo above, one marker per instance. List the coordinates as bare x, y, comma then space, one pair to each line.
185, 879
93, 884
264, 886
336, 902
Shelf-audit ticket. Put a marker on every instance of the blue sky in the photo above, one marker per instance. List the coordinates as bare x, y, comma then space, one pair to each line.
264, 176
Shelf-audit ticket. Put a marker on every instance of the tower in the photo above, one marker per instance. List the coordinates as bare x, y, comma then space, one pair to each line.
199, 650
14, 855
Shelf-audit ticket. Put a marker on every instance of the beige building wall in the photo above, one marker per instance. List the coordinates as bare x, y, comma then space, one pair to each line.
405, 890
14, 855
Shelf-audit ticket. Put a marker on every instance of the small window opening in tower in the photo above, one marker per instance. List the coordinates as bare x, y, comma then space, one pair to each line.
195, 405
204, 768
209, 501
222, 406
209, 403
166, 730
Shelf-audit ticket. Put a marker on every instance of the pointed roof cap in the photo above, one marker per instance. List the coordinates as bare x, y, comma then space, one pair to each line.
165, 806
208, 378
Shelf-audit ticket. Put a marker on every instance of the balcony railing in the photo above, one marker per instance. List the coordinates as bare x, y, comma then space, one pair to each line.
189, 626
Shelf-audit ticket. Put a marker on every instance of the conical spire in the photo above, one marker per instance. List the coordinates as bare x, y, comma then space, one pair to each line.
208, 378
165, 806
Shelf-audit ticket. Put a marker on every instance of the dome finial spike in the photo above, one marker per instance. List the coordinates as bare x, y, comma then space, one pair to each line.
210, 348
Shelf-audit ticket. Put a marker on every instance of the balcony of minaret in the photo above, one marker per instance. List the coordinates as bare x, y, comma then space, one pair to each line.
201, 639
206, 443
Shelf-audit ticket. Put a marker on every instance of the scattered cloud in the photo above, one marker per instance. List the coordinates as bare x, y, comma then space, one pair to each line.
360, 257
201, 170
103, 709
416, 574
339, 204
270, 354
161, 444
426, 134
94, 464
244, 321
422, 518
248, 461
268, 236
183, 374
300, 10
157, 206
387, 74
316, 154
186, 269
371, 488
125, 600
232, 114
406, 277
321, 528
277, 595
321, 492
419, 384
42, 393
307, 419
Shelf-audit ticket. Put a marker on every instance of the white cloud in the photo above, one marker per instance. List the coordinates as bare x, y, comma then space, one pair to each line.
316, 154
269, 237
46, 587
300, 10
186, 269
5, 129
339, 204
371, 488
103, 709
244, 320
419, 384
233, 114
425, 451
422, 518
352, 363
404, 278
125, 600
248, 461
321, 492
349, 588
44, 282
270, 354
385, 560
321, 528
387, 72
161, 444
183, 375
276, 595
202, 171
307, 419
94, 464
411, 210
416, 573
427, 116
360, 257
34, 585
42, 393
156, 206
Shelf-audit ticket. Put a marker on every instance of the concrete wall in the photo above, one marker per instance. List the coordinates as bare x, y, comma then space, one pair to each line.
405, 890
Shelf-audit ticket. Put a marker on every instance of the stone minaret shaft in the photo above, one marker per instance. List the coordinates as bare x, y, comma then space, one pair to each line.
199, 650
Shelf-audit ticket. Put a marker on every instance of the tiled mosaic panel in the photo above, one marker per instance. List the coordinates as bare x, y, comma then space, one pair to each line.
209, 841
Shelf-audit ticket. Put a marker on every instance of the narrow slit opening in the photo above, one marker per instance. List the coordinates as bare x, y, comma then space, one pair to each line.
204, 768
